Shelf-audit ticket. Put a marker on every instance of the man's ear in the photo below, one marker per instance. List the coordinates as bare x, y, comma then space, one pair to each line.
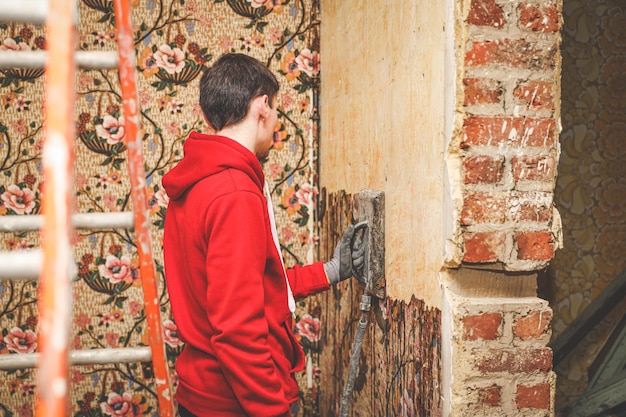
262, 105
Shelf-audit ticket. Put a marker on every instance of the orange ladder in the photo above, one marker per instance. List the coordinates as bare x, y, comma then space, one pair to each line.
53, 264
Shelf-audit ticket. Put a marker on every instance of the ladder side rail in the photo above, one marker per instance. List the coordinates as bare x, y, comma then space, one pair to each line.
55, 301
140, 207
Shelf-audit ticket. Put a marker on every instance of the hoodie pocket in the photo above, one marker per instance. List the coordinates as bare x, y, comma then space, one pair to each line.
297, 361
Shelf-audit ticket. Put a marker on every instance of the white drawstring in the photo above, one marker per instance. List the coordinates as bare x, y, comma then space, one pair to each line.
270, 209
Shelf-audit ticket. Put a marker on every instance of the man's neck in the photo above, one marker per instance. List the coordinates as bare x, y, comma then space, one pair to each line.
241, 133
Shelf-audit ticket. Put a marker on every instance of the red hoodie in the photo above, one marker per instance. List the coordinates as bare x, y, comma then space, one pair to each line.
227, 285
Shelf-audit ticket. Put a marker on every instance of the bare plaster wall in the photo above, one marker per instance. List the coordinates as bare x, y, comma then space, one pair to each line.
382, 121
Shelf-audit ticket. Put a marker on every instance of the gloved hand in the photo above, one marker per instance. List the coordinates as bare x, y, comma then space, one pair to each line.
345, 257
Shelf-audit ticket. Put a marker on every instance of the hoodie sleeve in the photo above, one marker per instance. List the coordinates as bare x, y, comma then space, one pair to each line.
307, 280
235, 264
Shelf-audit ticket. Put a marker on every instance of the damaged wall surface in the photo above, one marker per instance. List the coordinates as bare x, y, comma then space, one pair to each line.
399, 368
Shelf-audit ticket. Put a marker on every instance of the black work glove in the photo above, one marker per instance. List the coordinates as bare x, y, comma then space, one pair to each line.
345, 257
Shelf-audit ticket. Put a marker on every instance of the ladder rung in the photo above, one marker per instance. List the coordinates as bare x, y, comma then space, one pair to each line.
23, 223
112, 220
97, 59
25, 11
37, 59
80, 357
26, 264
20, 264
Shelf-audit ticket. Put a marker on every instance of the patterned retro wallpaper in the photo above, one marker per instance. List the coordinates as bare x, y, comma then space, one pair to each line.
591, 185
175, 40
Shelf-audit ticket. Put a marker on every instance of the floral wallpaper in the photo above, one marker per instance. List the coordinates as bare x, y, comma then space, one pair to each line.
175, 41
591, 185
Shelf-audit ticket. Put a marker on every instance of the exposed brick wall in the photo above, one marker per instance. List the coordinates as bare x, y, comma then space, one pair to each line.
505, 151
503, 366
507, 138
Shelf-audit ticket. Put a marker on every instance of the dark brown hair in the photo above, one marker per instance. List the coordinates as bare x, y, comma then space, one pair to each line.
227, 88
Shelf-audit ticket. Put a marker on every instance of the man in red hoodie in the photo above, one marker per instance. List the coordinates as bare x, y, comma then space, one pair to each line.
230, 295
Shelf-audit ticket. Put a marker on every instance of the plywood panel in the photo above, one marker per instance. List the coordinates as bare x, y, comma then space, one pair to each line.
382, 127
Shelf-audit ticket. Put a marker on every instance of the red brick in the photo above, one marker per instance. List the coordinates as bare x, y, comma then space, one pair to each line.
483, 169
489, 396
533, 325
535, 132
529, 212
486, 13
483, 246
484, 326
533, 396
539, 19
535, 246
530, 207
535, 94
514, 53
516, 131
512, 361
481, 208
485, 131
534, 168
482, 91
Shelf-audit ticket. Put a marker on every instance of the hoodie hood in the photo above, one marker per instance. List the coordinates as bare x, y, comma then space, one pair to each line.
206, 155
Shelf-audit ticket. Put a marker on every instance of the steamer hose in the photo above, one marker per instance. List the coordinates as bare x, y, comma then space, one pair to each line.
366, 303
370, 232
